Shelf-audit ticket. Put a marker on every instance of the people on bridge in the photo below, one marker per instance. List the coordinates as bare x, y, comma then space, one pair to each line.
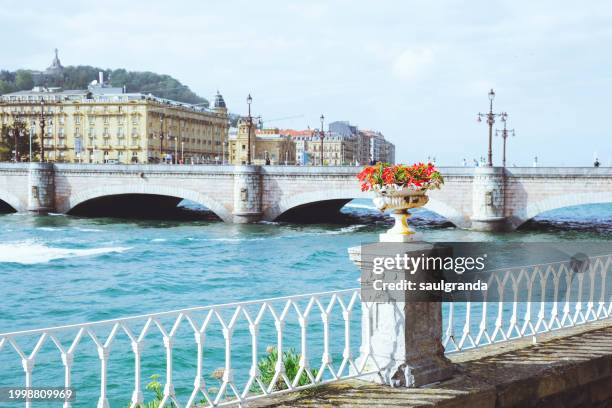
597, 163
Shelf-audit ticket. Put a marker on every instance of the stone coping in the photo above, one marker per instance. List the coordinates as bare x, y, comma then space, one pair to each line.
293, 169
569, 368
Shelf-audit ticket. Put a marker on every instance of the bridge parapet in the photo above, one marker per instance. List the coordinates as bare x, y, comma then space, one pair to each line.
487, 199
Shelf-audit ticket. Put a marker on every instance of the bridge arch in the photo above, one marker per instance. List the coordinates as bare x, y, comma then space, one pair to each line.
105, 191
344, 195
559, 201
11, 201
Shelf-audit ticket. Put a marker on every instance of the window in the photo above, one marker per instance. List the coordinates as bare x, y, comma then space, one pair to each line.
77, 120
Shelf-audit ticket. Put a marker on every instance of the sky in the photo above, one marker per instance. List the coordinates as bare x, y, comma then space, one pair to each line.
418, 71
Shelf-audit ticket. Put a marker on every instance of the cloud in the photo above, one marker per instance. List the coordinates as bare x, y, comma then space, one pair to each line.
410, 64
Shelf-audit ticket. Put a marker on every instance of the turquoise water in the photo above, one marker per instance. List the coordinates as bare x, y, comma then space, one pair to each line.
60, 269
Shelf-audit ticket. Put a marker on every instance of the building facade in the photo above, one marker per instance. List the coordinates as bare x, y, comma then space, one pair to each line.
337, 149
268, 146
379, 149
344, 144
103, 124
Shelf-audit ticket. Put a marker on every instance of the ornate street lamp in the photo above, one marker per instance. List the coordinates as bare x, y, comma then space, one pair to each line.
322, 136
15, 132
504, 133
250, 125
42, 131
490, 116
161, 136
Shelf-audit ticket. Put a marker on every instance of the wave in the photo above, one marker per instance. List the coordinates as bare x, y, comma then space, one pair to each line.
363, 206
49, 229
30, 252
344, 230
88, 229
159, 240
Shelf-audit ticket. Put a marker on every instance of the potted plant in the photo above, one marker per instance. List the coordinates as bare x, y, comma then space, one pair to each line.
399, 187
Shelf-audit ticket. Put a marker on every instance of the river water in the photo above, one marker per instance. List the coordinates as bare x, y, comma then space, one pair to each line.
61, 269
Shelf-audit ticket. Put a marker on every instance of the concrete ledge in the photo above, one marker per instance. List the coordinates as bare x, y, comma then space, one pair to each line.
571, 368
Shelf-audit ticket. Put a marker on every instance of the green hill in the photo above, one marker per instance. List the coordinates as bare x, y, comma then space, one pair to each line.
78, 77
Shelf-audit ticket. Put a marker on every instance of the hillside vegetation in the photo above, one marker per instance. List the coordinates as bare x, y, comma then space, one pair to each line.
78, 77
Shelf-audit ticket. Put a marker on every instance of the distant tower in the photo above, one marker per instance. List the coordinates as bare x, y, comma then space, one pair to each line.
56, 67
220, 106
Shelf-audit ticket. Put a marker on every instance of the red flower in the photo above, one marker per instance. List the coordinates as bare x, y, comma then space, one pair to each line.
419, 175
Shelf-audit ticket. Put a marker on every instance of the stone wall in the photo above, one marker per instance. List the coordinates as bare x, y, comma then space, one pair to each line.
477, 198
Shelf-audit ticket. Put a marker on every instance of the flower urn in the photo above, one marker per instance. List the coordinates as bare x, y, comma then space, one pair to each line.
399, 199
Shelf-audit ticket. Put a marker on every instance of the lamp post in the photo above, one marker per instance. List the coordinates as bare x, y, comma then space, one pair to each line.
322, 136
505, 132
161, 137
30, 146
250, 125
14, 132
42, 131
490, 116
175, 158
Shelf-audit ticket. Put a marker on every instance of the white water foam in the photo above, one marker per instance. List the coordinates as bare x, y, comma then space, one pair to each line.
88, 229
364, 206
31, 252
344, 230
159, 240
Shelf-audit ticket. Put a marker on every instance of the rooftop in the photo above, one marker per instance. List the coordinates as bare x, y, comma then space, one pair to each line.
94, 93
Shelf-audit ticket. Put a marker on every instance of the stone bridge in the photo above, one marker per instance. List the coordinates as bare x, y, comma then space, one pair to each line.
475, 198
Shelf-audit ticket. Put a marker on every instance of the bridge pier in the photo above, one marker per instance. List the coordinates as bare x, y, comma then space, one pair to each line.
488, 200
481, 199
247, 194
41, 188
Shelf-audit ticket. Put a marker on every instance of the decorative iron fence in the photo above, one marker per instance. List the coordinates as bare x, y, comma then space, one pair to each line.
531, 300
237, 352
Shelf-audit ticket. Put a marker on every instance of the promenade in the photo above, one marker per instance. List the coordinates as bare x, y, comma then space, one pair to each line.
570, 367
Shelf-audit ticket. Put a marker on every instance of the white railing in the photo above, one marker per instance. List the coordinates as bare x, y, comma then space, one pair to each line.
530, 300
220, 348
286, 319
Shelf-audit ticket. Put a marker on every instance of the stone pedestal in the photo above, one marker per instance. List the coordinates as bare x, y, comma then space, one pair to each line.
488, 206
41, 188
404, 338
247, 194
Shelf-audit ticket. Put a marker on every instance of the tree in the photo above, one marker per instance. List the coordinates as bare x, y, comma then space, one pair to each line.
5, 87
79, 77
7, 142
23, 80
